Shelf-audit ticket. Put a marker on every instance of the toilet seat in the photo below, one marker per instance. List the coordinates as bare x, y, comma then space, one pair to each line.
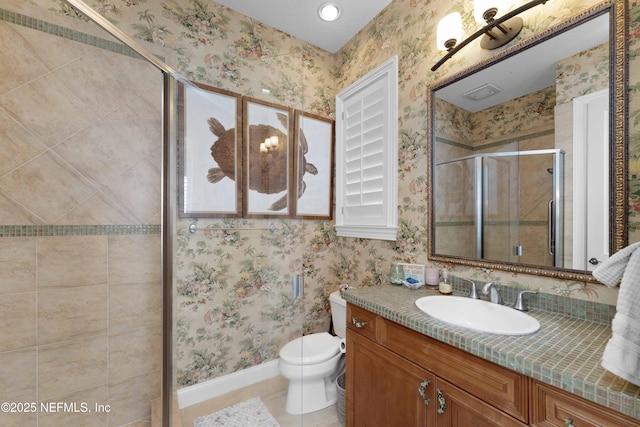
310, 349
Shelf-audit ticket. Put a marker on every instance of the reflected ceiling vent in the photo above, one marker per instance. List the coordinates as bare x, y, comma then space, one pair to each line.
482, 92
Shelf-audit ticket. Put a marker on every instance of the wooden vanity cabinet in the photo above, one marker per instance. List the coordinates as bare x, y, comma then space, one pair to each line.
398, 377
553, 407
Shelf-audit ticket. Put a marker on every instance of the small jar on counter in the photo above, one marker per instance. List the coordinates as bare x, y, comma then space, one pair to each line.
445, 287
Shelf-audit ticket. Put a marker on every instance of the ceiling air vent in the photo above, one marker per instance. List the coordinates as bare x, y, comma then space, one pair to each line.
481, 92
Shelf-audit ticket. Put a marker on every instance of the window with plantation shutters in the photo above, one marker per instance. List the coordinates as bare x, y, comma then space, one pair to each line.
367, 155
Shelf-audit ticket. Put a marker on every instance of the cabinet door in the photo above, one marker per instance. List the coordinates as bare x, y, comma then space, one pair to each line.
553, 407
384, 389
457, 408
498, 386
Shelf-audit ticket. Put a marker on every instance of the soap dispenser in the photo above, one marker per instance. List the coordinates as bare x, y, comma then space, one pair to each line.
444, 287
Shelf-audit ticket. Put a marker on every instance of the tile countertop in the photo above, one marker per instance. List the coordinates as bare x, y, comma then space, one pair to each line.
565, 352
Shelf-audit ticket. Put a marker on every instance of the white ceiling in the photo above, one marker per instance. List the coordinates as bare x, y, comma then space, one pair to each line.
300, 18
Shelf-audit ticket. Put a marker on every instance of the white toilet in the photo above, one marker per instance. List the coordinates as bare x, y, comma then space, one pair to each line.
310, 363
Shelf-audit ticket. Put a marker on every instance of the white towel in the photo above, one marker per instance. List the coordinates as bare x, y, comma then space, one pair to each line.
622, 353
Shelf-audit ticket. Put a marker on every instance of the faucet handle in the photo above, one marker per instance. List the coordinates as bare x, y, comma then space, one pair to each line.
473, 292
520, 304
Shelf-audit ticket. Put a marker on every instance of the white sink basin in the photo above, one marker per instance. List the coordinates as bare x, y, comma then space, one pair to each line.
478, 315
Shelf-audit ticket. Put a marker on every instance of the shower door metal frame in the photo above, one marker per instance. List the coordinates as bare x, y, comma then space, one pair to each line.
556, 217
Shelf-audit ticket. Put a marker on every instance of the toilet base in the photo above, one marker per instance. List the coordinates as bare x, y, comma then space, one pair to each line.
313, 395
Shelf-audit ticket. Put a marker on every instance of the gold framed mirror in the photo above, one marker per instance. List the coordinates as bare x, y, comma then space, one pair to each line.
515, 200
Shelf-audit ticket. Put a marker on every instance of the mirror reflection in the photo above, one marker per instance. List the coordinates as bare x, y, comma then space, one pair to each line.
520, 155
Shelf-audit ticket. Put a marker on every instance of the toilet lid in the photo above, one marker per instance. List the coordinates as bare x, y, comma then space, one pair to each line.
310, 349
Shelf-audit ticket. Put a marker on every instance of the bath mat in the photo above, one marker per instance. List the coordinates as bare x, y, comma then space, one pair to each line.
250, 413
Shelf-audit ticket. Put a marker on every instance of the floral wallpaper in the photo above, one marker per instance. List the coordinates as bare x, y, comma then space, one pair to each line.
234, 304
583, 73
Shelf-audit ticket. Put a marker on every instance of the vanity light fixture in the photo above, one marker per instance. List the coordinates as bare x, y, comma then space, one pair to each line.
329, 12
495, 33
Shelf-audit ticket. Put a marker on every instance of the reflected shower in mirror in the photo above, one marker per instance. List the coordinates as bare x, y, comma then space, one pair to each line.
520, 155
498, 206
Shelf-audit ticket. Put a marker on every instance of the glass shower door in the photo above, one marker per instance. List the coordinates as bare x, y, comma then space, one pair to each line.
239, 257
499, 210
522, 211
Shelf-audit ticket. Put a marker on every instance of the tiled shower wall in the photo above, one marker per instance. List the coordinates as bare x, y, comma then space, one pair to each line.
80, 199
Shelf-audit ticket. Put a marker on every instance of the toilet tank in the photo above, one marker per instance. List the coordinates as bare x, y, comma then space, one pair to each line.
338, 314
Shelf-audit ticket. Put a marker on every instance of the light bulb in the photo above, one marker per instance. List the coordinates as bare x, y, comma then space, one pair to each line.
449, 28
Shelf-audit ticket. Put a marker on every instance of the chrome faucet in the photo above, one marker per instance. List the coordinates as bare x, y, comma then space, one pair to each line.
473, 292
520, 304
491, 290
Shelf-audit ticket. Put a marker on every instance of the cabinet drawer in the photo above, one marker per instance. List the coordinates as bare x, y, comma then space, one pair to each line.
500, 387
361, 321
553, 407
457, 408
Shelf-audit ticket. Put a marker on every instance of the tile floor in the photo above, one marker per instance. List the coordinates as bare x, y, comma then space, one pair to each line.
273, 393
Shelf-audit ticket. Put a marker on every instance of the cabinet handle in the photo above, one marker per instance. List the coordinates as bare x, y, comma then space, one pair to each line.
442, 405
422, 390
568, 422
358, 323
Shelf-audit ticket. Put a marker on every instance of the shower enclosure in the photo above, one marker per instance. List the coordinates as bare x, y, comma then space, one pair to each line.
80, 232
502, 206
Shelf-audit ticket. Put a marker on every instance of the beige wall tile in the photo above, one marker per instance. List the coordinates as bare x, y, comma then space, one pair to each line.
145, 203
12, 213
72, 261
130, 400
98, 80
134, 259
47, 186
18, 145
98, 209
134, 306
18, 384
110, 146
84, 399
135, 352
19, 419
17, 265
17, 321
18, 65
66, 314
72, 366
31, 105
18, 376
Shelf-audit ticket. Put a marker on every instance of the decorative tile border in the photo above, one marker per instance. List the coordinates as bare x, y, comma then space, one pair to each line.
67, 33
76, 230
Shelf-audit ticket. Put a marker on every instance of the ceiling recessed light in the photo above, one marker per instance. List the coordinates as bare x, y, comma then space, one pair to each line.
329, 12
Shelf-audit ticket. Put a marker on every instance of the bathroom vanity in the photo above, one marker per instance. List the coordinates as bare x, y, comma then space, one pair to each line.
406, 369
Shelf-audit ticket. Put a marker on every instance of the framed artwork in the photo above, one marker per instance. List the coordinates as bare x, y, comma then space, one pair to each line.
268, 155
313, 176
209, 152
